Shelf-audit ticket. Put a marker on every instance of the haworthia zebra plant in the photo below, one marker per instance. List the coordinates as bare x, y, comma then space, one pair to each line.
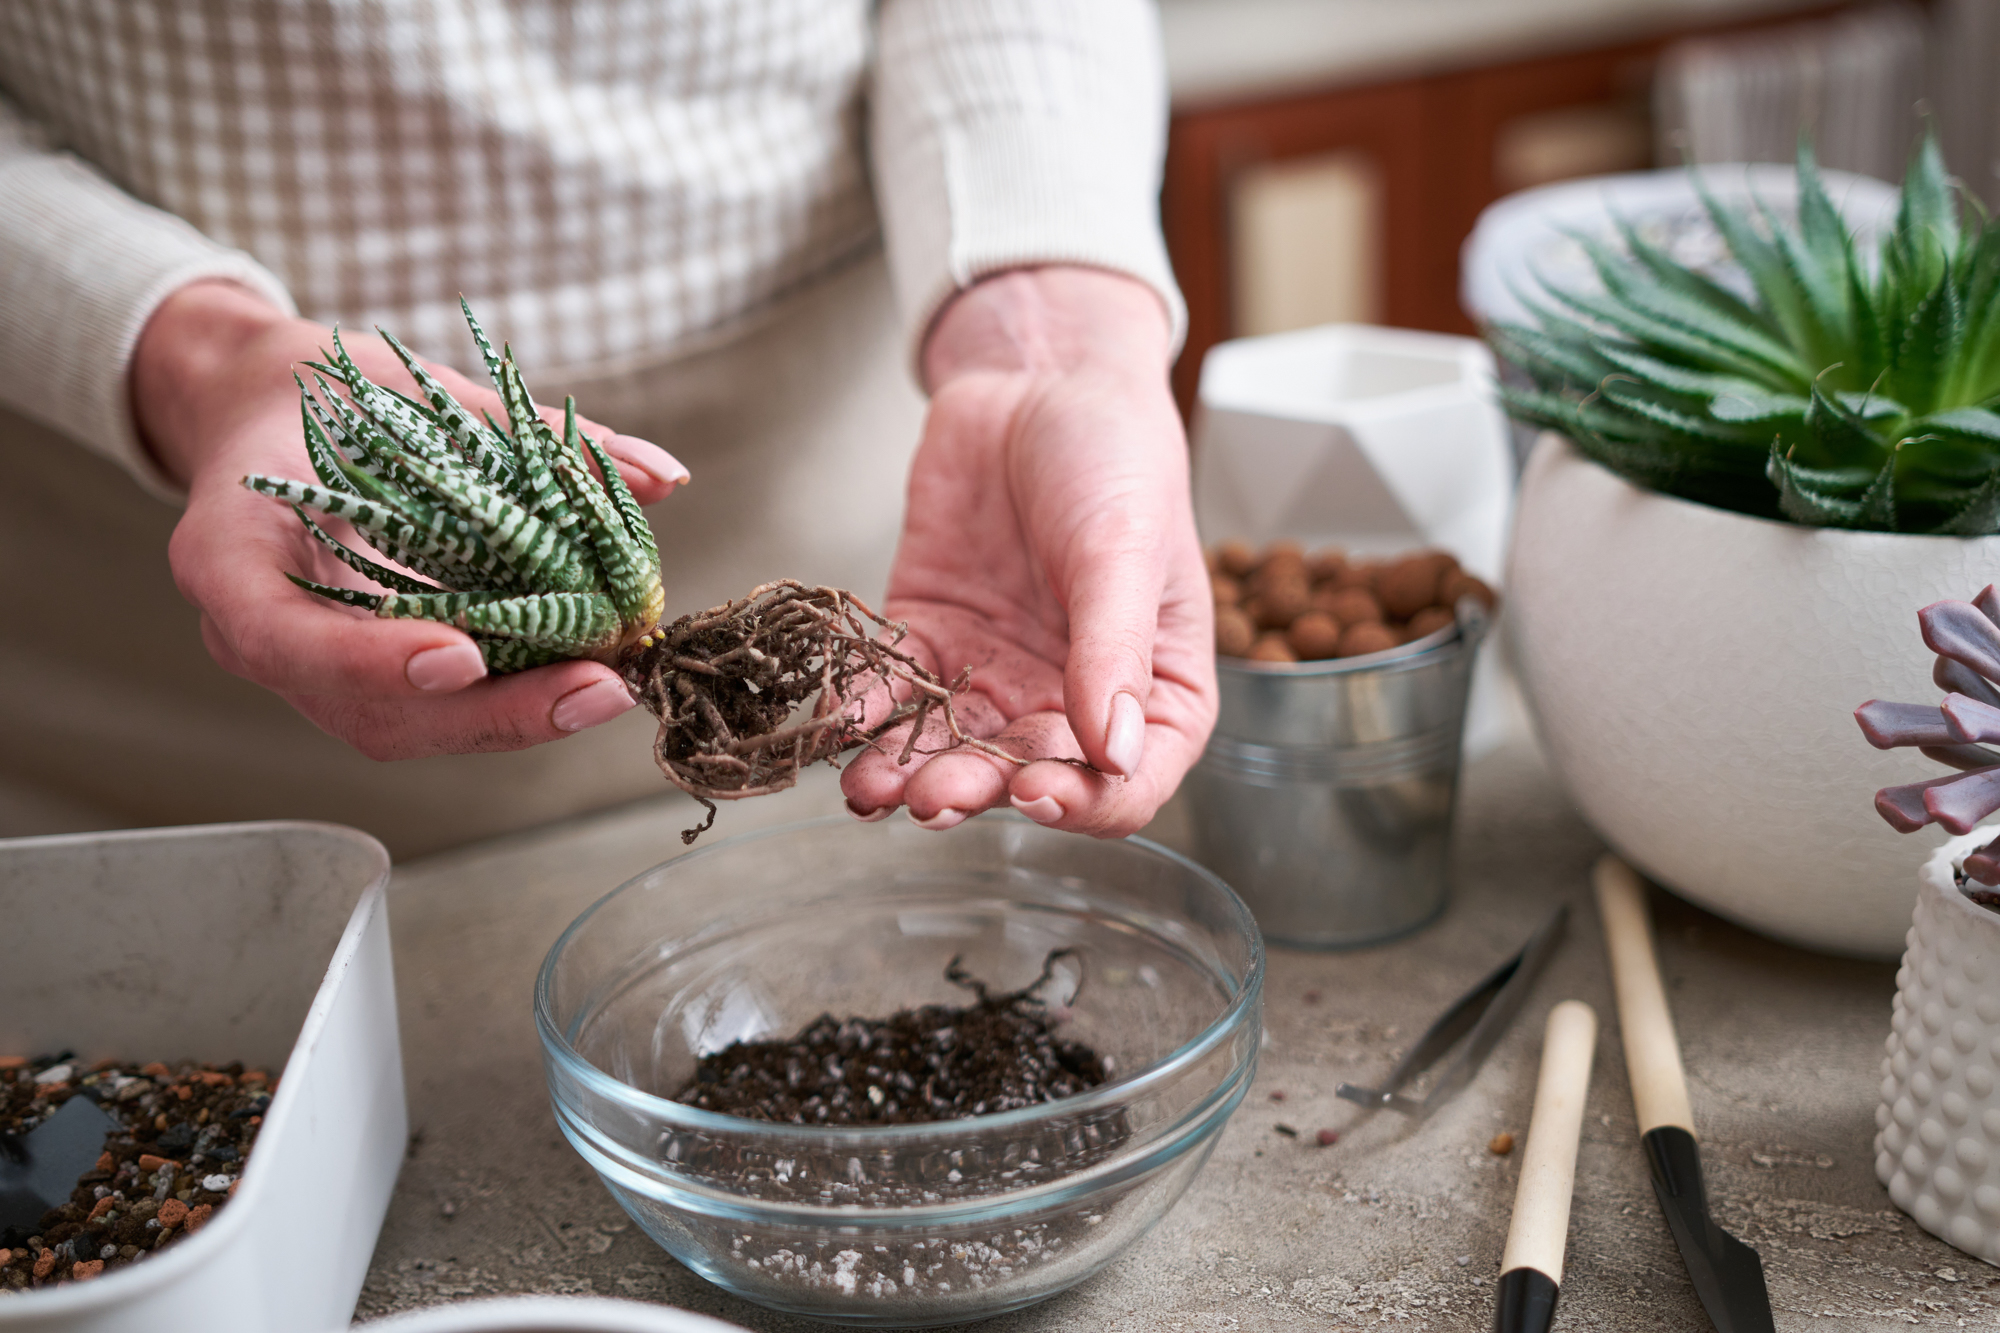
1845, 390
533, 556
540, 560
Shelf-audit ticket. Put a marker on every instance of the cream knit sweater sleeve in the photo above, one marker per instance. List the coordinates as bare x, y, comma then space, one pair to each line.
83, 265
1002, 133
1014, 132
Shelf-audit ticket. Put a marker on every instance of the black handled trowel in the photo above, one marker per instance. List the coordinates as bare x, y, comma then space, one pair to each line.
1727, 1274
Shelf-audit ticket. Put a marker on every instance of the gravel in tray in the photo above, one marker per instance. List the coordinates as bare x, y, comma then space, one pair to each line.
183, 1135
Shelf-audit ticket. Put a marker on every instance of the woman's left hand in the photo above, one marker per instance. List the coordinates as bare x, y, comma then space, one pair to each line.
1049, 547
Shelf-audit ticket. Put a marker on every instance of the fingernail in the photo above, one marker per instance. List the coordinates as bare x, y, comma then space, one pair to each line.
1043, 809
452, 667
943, 819
648, 457
592, 706
1125, 738
871, 816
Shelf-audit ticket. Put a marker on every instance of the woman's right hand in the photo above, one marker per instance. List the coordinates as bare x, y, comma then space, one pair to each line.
213, 398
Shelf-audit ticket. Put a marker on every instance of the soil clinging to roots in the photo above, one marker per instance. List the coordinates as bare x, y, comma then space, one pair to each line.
751, 693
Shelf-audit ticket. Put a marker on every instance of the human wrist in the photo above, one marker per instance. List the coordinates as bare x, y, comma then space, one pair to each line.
187, 372
1050, 320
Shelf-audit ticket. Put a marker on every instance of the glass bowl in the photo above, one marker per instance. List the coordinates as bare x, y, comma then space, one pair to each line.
897, 1224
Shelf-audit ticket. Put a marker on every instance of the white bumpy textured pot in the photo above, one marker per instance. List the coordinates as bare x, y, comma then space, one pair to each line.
1694, 674
1939, 1146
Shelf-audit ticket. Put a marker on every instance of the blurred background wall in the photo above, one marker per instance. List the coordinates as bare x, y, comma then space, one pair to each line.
1329, 157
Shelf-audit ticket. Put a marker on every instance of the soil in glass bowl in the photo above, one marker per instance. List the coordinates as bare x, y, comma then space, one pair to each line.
934, 1063
939, 1062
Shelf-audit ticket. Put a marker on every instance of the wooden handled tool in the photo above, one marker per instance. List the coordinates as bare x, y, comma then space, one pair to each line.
1652, 1051
1727, 1274
1532, 1265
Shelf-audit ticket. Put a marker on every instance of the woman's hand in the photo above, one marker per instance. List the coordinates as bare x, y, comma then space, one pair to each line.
1049, 546
213, 397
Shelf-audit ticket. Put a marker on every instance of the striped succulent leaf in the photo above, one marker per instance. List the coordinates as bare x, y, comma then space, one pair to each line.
1845, 390
528, 550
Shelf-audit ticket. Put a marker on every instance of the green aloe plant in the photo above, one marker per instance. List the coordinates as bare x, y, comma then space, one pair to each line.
1846, 390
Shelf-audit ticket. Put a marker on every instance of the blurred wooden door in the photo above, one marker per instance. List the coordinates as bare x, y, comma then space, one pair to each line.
1417, 157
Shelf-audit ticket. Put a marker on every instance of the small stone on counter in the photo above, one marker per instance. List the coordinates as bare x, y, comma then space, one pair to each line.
1286, 1130
1500, 1144
1327, 1137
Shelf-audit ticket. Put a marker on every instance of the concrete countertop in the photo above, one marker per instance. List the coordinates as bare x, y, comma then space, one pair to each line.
1230, 50
1396, 1224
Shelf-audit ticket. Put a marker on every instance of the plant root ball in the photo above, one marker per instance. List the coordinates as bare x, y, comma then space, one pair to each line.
1314, 636
1370, 636
749, 693
1235, 632
1272, 647
1408, 585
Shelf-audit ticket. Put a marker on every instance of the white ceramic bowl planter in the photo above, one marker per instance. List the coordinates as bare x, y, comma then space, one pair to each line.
1939, 1146
1694, 674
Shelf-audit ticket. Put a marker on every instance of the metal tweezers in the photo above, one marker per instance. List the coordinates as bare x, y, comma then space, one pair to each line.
1485, 1011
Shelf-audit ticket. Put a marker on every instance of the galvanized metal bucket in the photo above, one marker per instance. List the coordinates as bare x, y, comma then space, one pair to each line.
1325, 795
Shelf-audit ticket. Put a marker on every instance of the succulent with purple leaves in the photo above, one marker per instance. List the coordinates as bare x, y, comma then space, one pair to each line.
1966, 638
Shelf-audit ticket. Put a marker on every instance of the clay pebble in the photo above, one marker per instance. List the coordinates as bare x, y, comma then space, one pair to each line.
1283, 605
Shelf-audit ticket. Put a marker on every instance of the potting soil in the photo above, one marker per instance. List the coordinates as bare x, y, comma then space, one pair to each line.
934, 1063
939, 1062
182, 1138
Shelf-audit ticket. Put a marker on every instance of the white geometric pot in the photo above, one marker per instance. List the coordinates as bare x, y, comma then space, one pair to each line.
1938, 1149
1379, 440
1693, 674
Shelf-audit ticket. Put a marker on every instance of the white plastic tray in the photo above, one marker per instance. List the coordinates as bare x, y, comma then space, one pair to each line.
265, 943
